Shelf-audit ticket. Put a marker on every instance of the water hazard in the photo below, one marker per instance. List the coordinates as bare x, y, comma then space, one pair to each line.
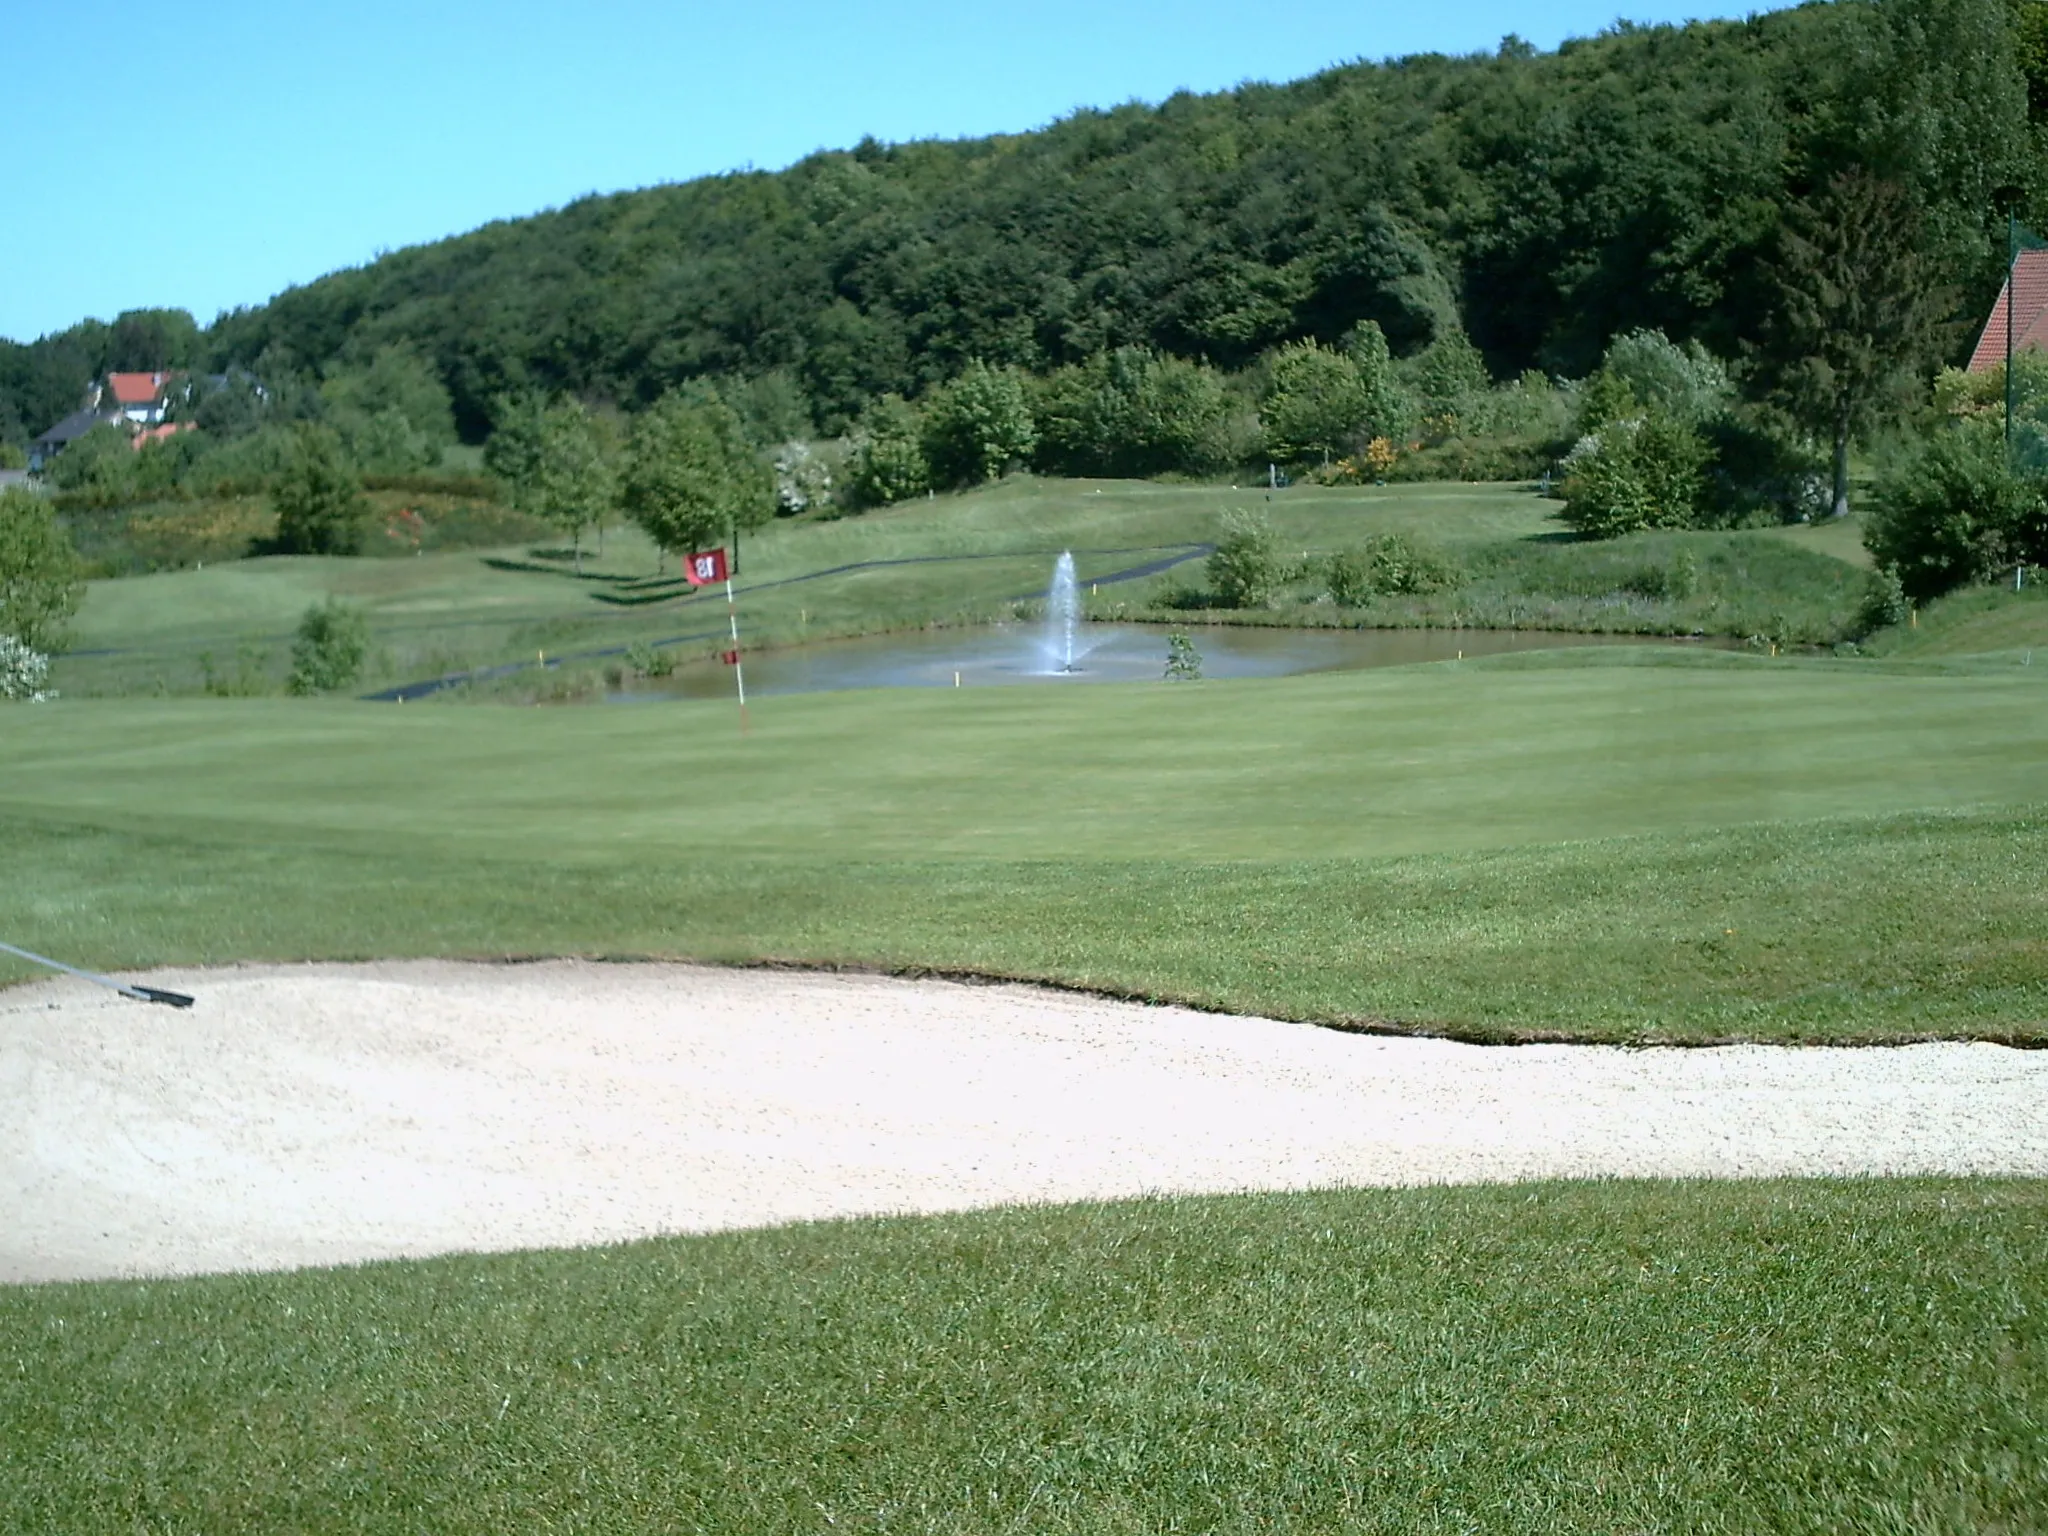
1102, 653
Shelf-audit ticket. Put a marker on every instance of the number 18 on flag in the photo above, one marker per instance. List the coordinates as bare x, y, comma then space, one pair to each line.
705, 567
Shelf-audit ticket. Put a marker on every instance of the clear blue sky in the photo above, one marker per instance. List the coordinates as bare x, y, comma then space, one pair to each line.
206, 156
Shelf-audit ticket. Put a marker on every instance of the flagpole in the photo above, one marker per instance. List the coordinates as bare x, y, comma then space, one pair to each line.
739, 672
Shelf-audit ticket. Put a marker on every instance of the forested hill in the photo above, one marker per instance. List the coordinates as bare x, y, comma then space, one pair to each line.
1547, 201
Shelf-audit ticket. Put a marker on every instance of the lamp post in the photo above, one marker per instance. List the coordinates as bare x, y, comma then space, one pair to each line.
2009, 198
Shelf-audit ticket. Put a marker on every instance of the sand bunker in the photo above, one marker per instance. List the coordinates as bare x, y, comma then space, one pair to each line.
318, 1114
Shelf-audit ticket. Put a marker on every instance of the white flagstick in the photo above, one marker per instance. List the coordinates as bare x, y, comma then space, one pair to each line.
739, 672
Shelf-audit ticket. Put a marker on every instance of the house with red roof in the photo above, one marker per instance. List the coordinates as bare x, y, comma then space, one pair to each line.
139, 396
2024, 303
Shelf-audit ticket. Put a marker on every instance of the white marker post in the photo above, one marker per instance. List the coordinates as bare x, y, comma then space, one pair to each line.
702, 569
739, 672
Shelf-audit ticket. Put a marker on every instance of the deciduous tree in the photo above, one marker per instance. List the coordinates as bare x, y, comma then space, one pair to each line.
40, 581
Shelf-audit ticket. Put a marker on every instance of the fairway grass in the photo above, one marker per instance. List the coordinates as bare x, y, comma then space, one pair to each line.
1714, 848
1793, 1357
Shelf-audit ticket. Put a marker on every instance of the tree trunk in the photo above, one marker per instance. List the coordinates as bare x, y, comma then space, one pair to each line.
576, 538
1839, 507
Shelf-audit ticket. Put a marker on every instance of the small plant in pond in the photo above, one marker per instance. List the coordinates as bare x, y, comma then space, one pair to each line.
328, 654
1183, 661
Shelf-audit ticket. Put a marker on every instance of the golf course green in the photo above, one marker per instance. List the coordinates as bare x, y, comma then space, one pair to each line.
1629, 844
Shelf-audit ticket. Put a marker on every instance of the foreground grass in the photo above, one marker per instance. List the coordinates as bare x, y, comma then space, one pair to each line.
1796, 1357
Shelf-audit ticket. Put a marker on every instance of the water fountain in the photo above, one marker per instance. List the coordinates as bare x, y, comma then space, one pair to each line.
1062, 612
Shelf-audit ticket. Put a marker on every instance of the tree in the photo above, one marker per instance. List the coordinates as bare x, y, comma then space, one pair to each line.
691, 476
978, 425
1858, 309
318, 497
393, 412
98, 467
574, 485
888, 455
40, 582
1447, 373
1131, 412
1315, 402
512, 452
1389, 412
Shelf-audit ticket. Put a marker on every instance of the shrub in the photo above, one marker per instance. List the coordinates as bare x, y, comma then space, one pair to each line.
1183, 661
23, 672
1646, 471
1244, 569
1887, 603
319, 500
649, 661
1389, 564
803, 480
328, 654
1954, 510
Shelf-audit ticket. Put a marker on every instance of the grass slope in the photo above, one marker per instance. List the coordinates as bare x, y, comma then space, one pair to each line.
1725, 847
1824, 1357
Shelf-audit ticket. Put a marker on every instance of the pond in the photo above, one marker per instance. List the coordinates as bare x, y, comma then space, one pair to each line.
1103, 653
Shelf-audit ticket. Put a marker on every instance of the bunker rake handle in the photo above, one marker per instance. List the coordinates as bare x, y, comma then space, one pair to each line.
140, 994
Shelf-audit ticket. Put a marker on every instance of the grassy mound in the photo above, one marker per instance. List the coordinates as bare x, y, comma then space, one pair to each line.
1793, 1357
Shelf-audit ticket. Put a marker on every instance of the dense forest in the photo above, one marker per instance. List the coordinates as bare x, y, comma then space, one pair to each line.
1542, 202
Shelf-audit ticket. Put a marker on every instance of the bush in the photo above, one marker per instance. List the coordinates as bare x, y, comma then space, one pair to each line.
319, 500
1954, 510
1389, 564
1646, 471
1887, 603
1244, 569
328, 654
23, 672
649, 661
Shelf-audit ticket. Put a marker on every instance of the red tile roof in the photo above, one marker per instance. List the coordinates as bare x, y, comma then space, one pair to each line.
2029, 280
143, 388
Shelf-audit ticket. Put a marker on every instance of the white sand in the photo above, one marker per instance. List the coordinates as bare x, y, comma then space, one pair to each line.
316, 1114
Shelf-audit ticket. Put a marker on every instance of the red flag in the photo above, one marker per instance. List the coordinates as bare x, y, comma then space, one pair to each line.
705, 567
730, 658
